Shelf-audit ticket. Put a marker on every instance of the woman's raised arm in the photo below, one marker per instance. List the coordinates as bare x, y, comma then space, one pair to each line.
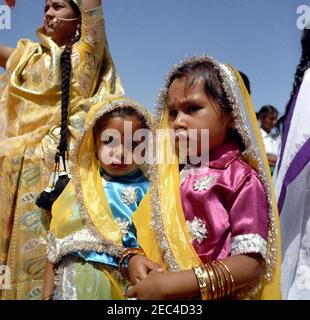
5, 53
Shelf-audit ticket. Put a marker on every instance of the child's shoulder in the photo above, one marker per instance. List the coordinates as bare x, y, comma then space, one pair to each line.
243, 171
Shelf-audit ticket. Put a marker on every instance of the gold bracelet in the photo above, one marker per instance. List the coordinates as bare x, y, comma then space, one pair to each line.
228, 284
48, 297
221, 287
230, 275
212, 280
203, 280
225, 279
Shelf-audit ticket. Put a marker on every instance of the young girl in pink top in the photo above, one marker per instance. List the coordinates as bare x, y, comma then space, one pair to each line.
215, 224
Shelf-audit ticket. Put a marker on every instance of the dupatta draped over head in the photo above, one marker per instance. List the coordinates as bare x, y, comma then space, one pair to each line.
30, 118
82, 219
169, 228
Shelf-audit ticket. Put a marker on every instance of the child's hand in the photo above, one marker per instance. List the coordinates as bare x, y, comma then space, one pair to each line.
140, 266
153, 287
166, 285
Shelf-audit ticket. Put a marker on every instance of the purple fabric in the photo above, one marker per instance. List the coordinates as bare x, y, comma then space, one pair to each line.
287, 127
300, 160
231, 203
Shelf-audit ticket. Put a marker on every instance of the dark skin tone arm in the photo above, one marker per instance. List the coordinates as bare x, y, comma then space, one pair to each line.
5, 53
245, 269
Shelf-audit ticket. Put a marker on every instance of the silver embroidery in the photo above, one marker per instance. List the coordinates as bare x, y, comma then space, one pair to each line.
124, 225
197, 230
65, 286
204, 183
248, 243
82, 240
129, 195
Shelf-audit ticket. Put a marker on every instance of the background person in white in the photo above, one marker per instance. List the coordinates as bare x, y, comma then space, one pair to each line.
268, 116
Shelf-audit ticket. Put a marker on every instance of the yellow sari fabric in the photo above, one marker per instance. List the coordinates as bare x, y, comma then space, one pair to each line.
169, 235
83, 205
30, 113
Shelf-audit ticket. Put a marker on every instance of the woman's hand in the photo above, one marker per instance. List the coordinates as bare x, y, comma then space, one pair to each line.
140, 266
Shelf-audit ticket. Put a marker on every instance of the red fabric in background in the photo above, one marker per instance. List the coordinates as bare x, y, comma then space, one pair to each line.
10, 3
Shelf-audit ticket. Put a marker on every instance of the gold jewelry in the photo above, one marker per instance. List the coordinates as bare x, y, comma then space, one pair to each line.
50, 297
220, 285
230, 275
228, 284
224, 279
212, 280
124, 259
203, 281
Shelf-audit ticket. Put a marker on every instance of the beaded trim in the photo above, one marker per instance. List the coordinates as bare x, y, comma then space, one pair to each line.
248, 243
82, 240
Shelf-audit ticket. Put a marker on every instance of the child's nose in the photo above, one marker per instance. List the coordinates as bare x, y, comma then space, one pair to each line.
180, 122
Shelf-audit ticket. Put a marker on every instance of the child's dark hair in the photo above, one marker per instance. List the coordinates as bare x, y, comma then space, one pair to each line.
213, 87
303, 65
212, 81
118, 112
46, 199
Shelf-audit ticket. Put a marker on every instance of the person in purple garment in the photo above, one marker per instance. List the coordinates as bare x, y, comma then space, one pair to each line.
292, 183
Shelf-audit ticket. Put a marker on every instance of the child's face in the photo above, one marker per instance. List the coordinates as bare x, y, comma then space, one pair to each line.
117, 145
190, 108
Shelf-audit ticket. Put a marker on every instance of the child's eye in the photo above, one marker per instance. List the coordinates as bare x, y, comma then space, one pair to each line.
172, 113
192, 109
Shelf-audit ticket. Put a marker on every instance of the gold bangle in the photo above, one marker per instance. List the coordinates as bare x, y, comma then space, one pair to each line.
202, 279
220, 284
212, 280
230, 275
228, 284
48, 297
224, 278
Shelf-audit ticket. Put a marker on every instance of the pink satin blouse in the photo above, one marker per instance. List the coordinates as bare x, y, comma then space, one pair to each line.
225, 206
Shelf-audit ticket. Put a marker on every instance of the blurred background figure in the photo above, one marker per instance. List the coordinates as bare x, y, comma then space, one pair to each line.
292, 183
267, 117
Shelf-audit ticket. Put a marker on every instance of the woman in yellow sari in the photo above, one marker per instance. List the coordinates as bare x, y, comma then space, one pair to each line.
91, 226
47, 86
214, 220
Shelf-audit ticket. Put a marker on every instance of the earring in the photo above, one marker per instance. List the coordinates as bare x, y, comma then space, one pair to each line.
78, 32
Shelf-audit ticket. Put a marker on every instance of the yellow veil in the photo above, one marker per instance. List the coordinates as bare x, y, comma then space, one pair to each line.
85, 189
169, 230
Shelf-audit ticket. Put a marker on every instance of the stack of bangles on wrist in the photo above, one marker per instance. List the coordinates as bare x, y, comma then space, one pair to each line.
215, 280
126, 256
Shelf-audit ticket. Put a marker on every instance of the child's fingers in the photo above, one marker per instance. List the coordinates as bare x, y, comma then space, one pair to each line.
154, 266
131, 293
